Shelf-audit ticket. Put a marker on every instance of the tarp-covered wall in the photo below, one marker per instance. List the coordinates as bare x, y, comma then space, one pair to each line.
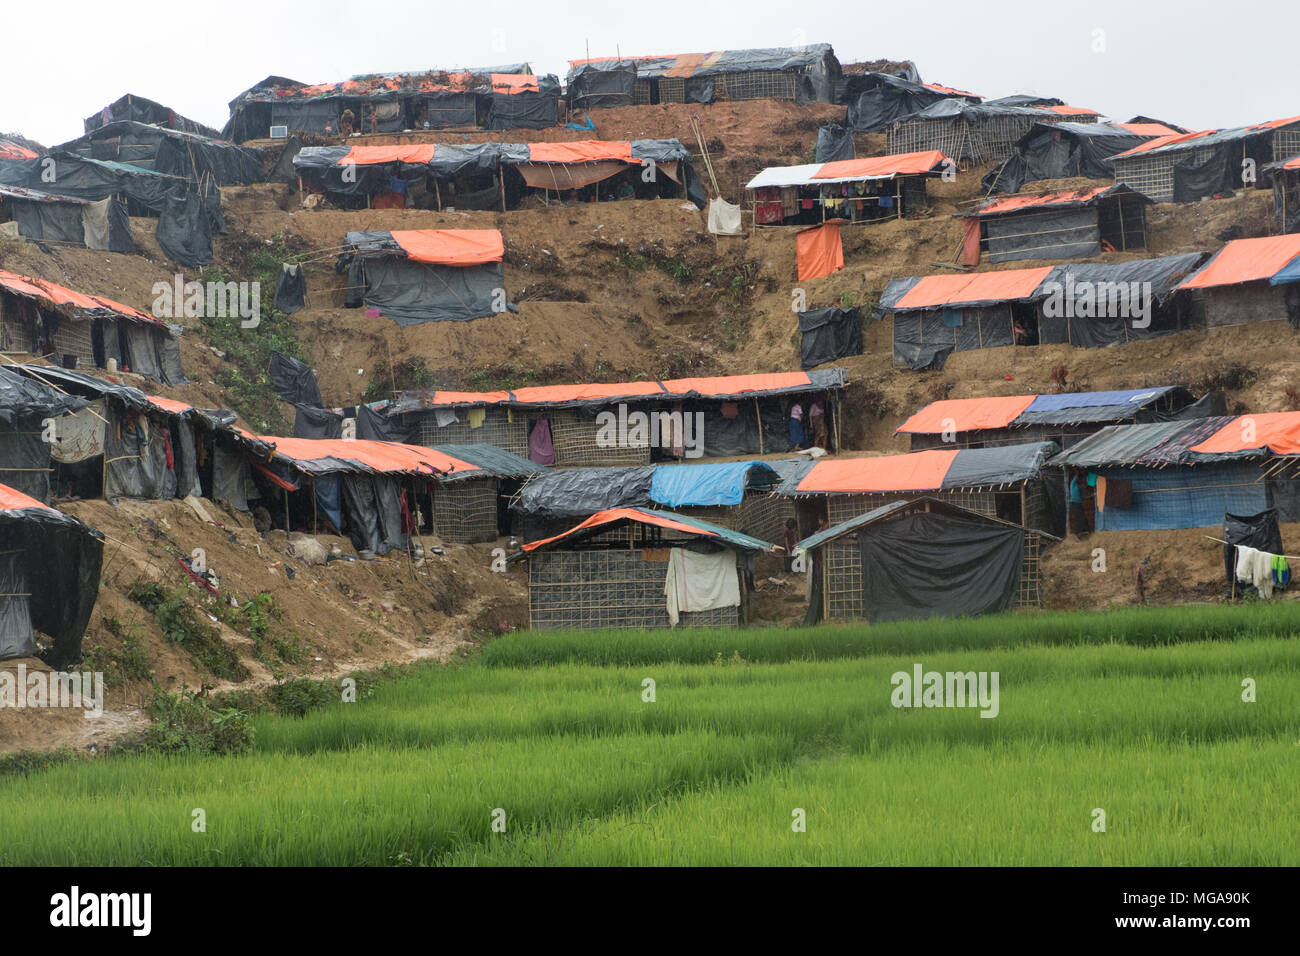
1182, 497
930, 564
828, 334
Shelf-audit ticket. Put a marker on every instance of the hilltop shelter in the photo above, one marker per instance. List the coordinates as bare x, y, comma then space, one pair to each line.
137, 109
638, 568
426, 275
922, 558
977, 133
1087, 305
66, 220
1188, 474
181, 153
1286, 192
1065, 417
374, 491
14, 152
1248, 280
805, 74
1007, 482
497, 98
49, 579
878, 100
27, 409
627, 423
126, 444
74, 329
188, 212
1063, 224
1187, 166
1068, 151
734, 494
496, 175
855, 190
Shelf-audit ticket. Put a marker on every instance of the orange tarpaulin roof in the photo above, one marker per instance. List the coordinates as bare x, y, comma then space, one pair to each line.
965, 414
737, 384
819, 251
611, 515
13, 500
1246, 260
451, 247
57, 294
1009, 203
1279, 432
900, 164
1072, 110
578, 393
414, 153
169, 404
469, 398
934, 292
940, 88
919, 471
1161, 141
10, 150
581, 151
380, 456
514, 83
1292, 163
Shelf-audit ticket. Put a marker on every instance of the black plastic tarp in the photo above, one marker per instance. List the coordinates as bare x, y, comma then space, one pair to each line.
1062, 233
998, 465
579, 492
139, 109
599, 86
834, 143
314, 422
931, 564
290, 289
1061, 151
373, 512
828, 334
25, 405
522, 111
55, 560
188, 155
878, 100
376, 426
411, 293
293, 380
1216, 174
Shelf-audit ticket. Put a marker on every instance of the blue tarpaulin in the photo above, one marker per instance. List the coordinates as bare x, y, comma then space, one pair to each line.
1289, 273
1136, 397
724, 483
1185, 497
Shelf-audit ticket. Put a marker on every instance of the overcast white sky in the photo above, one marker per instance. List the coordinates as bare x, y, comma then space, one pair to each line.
1196, 63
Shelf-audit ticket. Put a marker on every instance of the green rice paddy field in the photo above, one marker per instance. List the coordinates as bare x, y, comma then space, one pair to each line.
1137, 713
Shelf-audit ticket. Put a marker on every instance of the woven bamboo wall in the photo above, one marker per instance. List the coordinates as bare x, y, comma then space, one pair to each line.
466, 511
612, 589
497, 429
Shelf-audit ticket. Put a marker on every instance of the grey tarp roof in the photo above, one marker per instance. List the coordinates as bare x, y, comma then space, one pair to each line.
727, 61
578, 492
495, 461
999, 465
1155, 443
22, 397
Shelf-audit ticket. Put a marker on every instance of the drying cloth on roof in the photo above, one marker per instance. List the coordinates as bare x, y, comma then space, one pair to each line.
724, 218
700, 582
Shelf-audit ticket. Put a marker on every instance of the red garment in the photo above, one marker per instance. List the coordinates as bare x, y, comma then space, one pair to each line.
768, 212
408, 525
167, 444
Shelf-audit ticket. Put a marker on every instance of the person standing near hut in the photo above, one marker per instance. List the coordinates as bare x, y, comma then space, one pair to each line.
1078, 520
797, 437
817, 423
791, 539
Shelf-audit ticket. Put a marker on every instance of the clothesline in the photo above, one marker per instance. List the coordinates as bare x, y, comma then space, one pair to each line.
1289, 557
